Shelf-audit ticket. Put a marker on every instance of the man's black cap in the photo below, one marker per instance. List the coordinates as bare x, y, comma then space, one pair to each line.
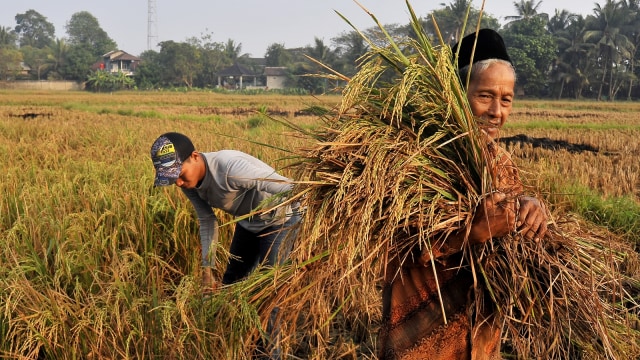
489, 46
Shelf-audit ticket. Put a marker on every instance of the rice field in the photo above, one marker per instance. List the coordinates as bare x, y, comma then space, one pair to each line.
583, 156
95, 263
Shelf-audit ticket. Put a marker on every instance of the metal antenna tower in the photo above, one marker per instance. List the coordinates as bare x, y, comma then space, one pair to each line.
152, 25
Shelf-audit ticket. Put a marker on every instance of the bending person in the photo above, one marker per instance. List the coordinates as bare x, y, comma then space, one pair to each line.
237, 183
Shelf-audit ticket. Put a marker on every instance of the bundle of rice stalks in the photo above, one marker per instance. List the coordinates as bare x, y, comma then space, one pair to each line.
571, 296
397, 156
401, 164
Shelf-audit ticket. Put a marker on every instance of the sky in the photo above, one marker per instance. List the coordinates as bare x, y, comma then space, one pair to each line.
255, 24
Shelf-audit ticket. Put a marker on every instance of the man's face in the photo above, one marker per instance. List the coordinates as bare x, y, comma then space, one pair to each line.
190, 173
490, 95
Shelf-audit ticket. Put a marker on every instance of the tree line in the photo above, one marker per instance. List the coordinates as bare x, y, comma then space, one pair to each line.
560, 55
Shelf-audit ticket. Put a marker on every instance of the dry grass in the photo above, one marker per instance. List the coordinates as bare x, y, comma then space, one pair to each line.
96, 264
612, 169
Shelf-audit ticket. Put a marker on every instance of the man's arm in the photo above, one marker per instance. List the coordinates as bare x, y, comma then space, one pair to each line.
208, 225
494, 217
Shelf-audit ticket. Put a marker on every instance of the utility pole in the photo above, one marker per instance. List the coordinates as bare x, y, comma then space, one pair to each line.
152, 25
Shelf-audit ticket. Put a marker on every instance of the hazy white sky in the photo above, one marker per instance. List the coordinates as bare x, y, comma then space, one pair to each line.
253, 23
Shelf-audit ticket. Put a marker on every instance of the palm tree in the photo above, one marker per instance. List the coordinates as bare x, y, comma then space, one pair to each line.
632, 7
526, 9
349, 48
558, 26
573, 62
232, 50
323, 54
605, 29
58, 55
560, 21
455, 17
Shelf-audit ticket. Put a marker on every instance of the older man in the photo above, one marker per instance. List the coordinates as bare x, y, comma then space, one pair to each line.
417, 294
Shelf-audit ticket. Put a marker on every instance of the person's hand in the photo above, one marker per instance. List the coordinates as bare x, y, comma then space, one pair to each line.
209, 283
532, 218
495, 217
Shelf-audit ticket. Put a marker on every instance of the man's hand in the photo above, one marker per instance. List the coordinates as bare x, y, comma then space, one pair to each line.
209, 283
495, 217
532, 218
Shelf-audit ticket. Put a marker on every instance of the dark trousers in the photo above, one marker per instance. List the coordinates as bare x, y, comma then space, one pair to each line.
247, 251
250, 249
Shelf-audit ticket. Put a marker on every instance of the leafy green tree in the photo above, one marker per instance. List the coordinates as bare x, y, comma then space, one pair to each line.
181, 63
87, 43
533, 51
149, 73
213, 57
350, 47
77, 63
212, 60
34, 30
277, 55
8, 38
84, 30
39, 60
9, 63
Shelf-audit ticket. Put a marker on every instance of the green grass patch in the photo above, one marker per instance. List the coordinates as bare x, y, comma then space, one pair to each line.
619, 214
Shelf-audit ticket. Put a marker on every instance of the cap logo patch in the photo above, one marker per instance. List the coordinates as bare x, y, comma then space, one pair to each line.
166, 155
166, 149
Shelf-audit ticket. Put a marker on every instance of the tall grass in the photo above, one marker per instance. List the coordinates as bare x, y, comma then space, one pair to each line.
96, 264
94, 261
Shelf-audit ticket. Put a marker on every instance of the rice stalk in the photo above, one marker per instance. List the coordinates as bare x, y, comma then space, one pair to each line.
571, 294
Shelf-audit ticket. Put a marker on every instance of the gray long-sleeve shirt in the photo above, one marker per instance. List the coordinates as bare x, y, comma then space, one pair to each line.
239, 184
